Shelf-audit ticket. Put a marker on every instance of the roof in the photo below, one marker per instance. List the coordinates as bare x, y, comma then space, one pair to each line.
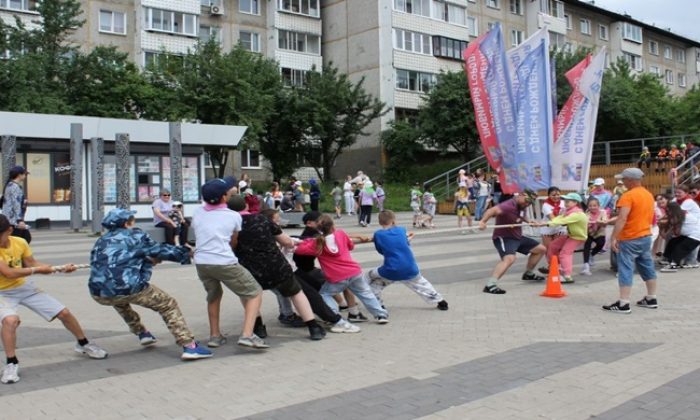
52, 126
627, 18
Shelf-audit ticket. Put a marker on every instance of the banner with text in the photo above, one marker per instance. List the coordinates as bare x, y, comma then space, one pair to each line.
575, 125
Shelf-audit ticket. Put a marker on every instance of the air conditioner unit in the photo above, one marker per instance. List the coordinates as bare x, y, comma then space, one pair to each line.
217, 10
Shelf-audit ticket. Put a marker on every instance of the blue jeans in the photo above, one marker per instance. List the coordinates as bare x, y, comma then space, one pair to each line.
360, 288
635, 252
480, 206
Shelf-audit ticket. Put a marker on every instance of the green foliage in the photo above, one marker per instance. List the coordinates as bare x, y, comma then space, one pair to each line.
284, 133
446, 118
688, 113
402, 146
563, 61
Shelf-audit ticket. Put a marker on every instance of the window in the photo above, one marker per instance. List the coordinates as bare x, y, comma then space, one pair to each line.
416, 7
412, 41
603, 32
569, 24
668, 52
516, 37
209, 32
655, 70
669, 77
414, 81
293, 77
681, 79
250, 159
250, 41
151, 58
112, 22
490, 25
493, 4
516, 7
301, 42
251, 7
680, 56
585, 26
634, 61
302, 7
632, 32
552, 7
653, 47
169, 21
473, 26
450, 13
557, 41
22, 5
448, 48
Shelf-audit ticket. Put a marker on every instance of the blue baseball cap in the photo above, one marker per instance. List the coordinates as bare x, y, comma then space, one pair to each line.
116, 218
214, 189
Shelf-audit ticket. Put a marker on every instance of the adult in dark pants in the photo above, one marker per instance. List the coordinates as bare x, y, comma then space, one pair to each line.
14, 203
314, 194
161, 207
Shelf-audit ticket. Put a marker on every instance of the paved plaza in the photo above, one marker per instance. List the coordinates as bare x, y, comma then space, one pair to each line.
515, 356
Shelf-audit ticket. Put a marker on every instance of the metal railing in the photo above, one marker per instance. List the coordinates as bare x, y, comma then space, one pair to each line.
686, 172
445, 184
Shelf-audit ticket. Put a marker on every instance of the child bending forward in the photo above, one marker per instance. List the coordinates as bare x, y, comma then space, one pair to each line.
563, 246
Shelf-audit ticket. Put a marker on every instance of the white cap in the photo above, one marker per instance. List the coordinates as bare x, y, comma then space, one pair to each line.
242, 184
599, 181
297, 183
177, 203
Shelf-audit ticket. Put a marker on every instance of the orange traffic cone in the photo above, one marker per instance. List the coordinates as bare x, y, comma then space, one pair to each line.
553, 288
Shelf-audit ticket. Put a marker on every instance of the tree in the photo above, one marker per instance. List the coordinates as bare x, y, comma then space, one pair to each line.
338, 112
446, 118
688, 113
285, 133
403, 147
563, 61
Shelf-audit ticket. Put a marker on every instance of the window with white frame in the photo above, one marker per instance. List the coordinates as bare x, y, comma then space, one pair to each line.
493, 4
250, 41
450, 13
603, 31
552, 7
112, 22
170, 21
207, 32
669, 77
473, 25
516, 37
680, 56
415, 81
293, 77
634, 61
412, 41
298, 41
655, 70
516, 7
668, 52
250, 159
302, 7
251, 7
569, 24
681, 79
585, 26
416, 7
557, 41
21, 5
632, 32
653, 47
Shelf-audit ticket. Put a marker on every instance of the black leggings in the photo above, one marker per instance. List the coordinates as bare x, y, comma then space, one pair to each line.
599, 244
308, 281
678, 248
366, 213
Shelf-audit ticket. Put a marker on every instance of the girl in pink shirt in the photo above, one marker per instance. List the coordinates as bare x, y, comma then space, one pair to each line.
332, 248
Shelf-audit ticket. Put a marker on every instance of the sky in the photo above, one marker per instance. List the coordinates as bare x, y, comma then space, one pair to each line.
679, 15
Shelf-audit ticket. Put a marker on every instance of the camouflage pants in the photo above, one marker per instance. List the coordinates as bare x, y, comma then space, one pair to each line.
157, 300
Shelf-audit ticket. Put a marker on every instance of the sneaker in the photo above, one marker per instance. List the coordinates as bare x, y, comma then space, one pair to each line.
494, 290
617, 307
382, 320
663, 261
543, 270
696, 265
648, 303
92, 351
344, 326
196, 352
10, 374
532, 277
442, 305
292, 320
591, 261
316, 332
146, 338
253, 341
216, 341
567, 280
602, 251
259, 329
671, 268
358, 318
586, 270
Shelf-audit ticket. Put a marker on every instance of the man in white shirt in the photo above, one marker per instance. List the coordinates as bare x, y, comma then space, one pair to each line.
348, 196
216, 229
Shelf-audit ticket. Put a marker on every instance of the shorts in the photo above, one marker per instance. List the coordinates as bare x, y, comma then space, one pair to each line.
336, 202
463, 211
509, 246
289, 287
235, 277
43, 304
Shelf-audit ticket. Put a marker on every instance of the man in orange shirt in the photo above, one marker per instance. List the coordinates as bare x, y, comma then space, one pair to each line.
631, 239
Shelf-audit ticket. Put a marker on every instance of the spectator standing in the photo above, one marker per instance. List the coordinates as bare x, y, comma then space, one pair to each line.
348, 196
314, 194
14, 203
337, 194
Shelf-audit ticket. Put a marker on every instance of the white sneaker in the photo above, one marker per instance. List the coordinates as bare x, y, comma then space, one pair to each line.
92, 350
591, 261
344, 326
10, 374
586, 270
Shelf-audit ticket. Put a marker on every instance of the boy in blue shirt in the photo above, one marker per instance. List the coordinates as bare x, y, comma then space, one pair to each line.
399, 263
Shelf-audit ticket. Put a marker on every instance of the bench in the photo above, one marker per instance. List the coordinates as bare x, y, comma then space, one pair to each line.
158, 234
